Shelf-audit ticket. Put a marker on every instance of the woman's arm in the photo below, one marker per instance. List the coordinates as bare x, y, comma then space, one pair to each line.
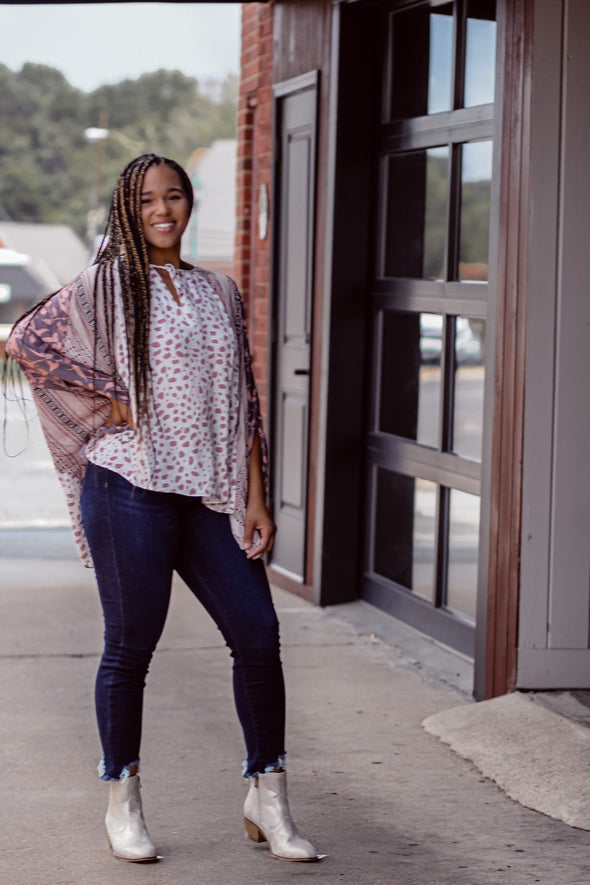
257, 513
57, 347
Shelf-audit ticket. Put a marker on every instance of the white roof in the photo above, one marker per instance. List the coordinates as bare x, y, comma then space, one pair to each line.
55, 249
13, 259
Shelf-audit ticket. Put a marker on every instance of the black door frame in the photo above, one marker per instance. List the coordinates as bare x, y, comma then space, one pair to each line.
350, 231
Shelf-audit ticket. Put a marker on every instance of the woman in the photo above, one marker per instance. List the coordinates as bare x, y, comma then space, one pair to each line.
142, 379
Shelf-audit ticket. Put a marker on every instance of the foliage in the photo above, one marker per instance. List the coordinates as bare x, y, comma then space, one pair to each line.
48, 168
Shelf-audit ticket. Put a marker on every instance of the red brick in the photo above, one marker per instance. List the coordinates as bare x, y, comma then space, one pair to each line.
249, 84
250, 66
250, 25
249, 55
264, 258
264, 112
255, 129
259, 302
262, 324
242, 253
265, 91
262, 307
244, 147
245, 118
265, 27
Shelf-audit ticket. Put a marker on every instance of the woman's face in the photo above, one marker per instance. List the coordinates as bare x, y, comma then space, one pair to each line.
164, 213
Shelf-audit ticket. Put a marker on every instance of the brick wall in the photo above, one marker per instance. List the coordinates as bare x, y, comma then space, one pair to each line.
254, 168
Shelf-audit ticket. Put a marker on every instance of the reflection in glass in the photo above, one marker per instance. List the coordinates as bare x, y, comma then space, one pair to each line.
422, 61
480, 52
463, 545
417, 190
476, 180
440, 81
469, 387
405, 521
411, 376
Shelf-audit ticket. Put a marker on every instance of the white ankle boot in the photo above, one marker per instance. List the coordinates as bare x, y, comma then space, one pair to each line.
267, 818
126, 829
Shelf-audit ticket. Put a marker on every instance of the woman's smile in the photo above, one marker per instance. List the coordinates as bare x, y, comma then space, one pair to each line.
164, 213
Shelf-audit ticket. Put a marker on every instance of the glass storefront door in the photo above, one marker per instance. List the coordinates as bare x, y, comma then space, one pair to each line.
429, 301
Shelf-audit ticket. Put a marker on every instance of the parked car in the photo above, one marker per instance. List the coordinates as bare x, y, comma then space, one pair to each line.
468, 343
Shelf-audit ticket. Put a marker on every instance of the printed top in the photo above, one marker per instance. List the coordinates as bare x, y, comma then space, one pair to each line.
190, 444
203, 394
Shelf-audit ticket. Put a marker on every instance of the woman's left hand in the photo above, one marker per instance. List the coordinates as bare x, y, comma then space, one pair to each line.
258, 518
120, 414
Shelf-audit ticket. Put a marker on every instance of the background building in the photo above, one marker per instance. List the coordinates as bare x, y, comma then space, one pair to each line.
412, 221
209, 239
35, 259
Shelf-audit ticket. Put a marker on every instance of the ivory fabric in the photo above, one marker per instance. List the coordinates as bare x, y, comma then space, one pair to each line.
75, 363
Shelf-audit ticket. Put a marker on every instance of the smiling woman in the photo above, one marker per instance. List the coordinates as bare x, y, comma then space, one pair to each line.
143, 382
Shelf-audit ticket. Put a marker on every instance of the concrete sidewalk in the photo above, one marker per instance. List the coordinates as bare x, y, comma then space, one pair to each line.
384, 800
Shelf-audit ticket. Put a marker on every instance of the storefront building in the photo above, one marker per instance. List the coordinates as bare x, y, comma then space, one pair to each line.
413, 216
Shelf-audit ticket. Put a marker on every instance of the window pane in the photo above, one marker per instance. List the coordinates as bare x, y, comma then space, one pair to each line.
417, 190
476, 179
422, 61
411, 376
480, 52
440, 81
405, 531
463, 544
469, 387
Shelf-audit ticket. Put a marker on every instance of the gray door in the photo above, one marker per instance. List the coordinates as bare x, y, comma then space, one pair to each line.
294, 275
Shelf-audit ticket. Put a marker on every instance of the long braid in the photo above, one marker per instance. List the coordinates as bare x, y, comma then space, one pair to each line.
124, 244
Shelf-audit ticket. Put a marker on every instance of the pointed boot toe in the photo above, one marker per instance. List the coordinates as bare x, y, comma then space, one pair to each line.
267, 818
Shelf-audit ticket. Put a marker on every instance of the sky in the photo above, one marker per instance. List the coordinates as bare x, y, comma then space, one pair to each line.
98, 43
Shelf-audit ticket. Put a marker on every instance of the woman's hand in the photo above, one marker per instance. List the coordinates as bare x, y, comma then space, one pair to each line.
258, 518
120, 414
257, 513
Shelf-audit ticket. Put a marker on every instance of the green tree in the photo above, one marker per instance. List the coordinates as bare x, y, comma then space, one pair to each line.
47, 168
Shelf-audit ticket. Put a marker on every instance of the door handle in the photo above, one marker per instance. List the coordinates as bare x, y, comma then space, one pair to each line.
301, 372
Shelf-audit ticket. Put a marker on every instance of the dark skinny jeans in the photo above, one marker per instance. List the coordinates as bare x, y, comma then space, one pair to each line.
138, 538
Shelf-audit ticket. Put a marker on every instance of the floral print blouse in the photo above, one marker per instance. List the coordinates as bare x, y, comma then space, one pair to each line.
204, 411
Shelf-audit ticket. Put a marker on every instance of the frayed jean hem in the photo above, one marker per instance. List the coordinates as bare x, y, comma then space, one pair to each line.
125, 773
279, 765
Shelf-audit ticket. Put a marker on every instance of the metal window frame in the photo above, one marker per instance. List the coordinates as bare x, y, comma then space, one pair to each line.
451, 298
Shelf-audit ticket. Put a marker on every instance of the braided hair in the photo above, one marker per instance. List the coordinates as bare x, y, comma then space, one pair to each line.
124, 247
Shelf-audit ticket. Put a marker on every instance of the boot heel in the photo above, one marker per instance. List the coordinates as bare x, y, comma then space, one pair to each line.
266, 806
253, 832
126, 829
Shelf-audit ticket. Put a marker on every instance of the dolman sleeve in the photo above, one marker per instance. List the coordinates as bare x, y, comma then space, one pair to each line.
63, 351
250, 422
